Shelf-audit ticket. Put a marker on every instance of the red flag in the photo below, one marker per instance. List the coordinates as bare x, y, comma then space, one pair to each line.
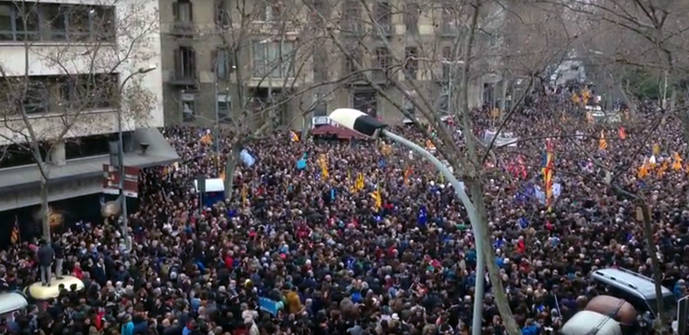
622, 133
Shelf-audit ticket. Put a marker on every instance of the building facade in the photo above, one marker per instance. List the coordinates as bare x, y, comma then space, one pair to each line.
71, 70
308, 52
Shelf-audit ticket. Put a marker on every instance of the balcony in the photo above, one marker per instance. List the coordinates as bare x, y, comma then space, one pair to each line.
183, 28
183, 79
385, 28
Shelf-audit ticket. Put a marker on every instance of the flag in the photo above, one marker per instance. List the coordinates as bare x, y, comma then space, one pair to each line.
585, 96
622, 133
323, 163
422, 218
293, 136
377, 198
207, 139
359, 185
429, 145
386, 149
656, 149
246, 158
301, 163
548, 170
15, 235
245, 194
407, 173
602, 143
575, 98
663, 168
677, 162
222, 175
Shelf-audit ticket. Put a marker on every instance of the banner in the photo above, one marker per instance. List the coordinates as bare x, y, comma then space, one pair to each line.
246, 158
269, 305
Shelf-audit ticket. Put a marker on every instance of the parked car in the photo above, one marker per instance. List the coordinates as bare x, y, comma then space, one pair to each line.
637, 290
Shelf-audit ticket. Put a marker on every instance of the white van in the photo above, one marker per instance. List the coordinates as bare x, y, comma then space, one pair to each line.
591, 323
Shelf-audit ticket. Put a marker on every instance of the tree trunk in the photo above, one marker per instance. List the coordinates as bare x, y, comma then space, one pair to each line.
473, 180
476, 191
659, 322
230, 166
45, 215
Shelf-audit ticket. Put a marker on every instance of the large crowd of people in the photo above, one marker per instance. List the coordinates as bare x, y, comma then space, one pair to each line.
392, 256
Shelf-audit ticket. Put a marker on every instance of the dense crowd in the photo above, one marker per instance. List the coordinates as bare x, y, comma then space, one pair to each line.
337, 262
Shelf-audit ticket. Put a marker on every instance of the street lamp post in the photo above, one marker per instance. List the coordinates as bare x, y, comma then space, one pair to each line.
369, 126
120, 156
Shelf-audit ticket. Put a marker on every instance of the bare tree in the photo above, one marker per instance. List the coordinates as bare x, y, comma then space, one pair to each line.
41, 114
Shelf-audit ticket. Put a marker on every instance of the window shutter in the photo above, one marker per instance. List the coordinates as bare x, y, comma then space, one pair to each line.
178, 62
214, 61
192, 60
175, 10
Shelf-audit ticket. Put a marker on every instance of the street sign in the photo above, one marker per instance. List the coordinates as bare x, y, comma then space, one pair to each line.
111, 180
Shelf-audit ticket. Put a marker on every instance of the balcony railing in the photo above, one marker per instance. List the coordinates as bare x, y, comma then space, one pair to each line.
180, 78
183, 28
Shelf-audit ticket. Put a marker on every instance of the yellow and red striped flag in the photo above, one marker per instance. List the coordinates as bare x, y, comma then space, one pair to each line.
602, 143
15, 235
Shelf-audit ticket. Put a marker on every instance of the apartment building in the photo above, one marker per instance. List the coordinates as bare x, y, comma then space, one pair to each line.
286, 47
85, 64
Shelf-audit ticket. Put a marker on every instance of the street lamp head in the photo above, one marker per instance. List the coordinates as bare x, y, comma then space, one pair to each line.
148, 68
357, 120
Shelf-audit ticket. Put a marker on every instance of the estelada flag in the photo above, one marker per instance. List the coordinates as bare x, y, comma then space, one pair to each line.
602, 143
676, 162
407, 174
15, 235
378, 198
293, 136
207, 139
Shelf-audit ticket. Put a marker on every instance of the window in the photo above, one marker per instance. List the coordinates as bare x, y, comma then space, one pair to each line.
188, 106
56, 23
222, 16
182, 11
272, 10
319, 11
185, 63
320, 70
411, 18
351, 15
447, 20
320, 105
382, 63
222, 63
13, 20
60, 93
411, 62
34, 100
224, 107
56, 19
383, 15
352, 59
365, 101
272, 59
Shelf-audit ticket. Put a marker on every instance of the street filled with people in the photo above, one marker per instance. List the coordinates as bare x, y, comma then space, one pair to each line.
326, 236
